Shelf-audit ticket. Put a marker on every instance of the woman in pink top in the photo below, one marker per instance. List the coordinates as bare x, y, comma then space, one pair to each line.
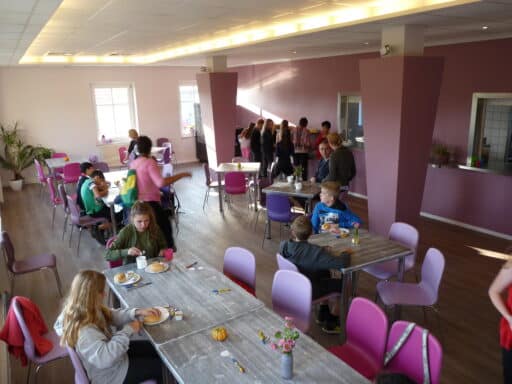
149, 182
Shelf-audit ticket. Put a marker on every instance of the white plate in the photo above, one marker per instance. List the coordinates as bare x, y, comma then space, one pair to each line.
135, 278
164, 315
166, 267
335, 230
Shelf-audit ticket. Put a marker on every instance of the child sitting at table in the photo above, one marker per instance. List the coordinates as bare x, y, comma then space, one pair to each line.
86, 169
315, 262
330, 210
101, 336
143, 234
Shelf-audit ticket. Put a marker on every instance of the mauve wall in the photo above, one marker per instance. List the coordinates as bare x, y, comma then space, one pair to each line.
54, 106
309, 87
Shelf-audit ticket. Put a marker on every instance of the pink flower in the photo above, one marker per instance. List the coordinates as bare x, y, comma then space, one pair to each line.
356, 225
289, 323
287, 346
273, 346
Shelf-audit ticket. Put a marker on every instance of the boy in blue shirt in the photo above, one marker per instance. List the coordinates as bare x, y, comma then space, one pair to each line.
330, 210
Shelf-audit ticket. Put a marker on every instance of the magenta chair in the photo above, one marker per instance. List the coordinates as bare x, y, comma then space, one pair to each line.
278, 209
240, 266
123, 155
27, 265
367, 331
211, 182
291, 296
41, 177
56, 353
234, 184
409, 358
80, 221
54, 199
406, 235
72, 173
59, 155
424, 293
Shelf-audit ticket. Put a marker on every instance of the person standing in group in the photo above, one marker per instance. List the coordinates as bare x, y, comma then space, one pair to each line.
244, 138
267, 147
322, 169
134, 135
502, 285
342, 167
301, 145
256, 141
324, 131
284, 152
149, 182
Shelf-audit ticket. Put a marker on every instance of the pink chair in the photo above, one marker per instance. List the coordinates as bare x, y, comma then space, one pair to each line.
211, 182
406, 235
116, 263
41, 177
59, 155
234, 184
367, 331
291, 296
240, 266
28, 264
56, 353
54, 199
424, 293
71, 173
123, 155
409, 358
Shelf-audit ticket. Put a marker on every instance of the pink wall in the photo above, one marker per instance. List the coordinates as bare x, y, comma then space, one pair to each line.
310, 87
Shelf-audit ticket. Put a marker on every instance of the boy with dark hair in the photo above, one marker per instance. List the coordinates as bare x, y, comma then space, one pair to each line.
86, 169
330, 210
315, 262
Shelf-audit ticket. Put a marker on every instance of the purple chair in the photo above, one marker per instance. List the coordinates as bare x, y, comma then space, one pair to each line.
424, 293
171, 152
101, 165
278, 209
234, 184
27, 265
54, 199
80, 221
166, 156
63, 196
41, 177
71, 173
409, 358
291, 296
161, 140
123, 155
56, 353
240, 266
211, 182
367, 331
406, 235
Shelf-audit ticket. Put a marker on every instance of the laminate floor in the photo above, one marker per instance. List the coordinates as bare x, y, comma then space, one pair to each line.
469, 322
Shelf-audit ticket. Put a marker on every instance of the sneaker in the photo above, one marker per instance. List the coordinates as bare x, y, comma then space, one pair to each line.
323, 314
332, 325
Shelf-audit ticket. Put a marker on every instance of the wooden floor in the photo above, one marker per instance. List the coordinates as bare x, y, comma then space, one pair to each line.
469, 322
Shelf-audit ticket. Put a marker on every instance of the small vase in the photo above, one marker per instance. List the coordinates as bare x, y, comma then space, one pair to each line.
355, 237
287, 366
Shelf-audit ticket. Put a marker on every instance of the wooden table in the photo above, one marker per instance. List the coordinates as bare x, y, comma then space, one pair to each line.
59, 162
309, 191
252, 169
373, 249
196, 358
189, 290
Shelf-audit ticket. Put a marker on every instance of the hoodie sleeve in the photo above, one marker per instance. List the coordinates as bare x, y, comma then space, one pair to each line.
315, 219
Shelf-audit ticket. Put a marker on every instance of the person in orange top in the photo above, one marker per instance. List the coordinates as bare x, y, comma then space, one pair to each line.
501, 284
324, 131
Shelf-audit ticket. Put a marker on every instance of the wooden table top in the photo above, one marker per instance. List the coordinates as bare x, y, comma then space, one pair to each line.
233, 167
308, 191
372, 248
189, 290
196, 358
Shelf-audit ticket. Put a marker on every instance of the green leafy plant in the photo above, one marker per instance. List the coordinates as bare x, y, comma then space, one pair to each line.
297, 171
18, 155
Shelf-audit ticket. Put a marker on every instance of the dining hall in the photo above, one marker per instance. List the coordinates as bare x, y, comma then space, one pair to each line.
306, 191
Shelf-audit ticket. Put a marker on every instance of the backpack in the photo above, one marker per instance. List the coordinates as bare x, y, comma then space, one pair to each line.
128, 190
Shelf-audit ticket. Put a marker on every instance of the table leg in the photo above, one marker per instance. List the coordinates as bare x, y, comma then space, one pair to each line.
401, 266
346, 289
219, 180
256, 188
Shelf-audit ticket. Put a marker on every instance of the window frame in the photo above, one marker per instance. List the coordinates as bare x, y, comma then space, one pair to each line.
192, 83
132, 106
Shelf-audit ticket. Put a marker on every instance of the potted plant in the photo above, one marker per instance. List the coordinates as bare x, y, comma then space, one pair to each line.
18, 155
440, 155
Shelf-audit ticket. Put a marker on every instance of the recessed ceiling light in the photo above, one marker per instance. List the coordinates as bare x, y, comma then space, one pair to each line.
366, 43
485, 27
292, 51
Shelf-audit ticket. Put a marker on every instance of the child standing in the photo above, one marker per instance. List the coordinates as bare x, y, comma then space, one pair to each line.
330, 210
315, 262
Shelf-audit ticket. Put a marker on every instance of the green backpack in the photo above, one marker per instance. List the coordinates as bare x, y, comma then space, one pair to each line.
129, 191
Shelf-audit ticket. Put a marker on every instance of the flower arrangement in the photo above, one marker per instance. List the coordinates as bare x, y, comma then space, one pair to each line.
297, 172
285, 339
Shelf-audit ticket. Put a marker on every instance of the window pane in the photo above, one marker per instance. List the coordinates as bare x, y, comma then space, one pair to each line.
103, 96
120, 95
123, 120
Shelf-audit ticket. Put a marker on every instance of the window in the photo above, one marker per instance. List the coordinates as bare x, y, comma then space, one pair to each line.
189, 103
350, 117
115, 111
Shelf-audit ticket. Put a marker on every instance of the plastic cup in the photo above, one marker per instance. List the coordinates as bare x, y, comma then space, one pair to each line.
141, 262
168, 254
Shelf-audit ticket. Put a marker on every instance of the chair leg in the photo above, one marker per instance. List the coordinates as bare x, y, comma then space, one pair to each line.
256, 220
71, 234
12, 285
28, 373
57, 279
79, 238
355, 278
65, 224
53, 214
205, 201
37, 372
267, 228
441, 334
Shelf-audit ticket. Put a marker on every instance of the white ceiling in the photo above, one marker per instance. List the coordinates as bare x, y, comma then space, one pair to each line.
128, 27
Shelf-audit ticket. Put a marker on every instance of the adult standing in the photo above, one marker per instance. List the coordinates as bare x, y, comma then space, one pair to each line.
267, 147
284, 152
256, 141
301, 144
134, 135
149, 182
503, 284
342, 167
324, 131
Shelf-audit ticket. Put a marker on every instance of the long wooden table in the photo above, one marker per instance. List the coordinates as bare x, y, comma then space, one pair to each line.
252, 169
372, 249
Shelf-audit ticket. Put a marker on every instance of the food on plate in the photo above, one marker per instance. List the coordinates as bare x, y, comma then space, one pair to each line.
326, 226
152, 318
156, 267
219, 334
120, 278
344, 233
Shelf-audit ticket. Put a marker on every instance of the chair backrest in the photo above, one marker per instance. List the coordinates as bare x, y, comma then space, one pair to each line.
28, 343
8, 248
432, 272
40, 173
80, 374
72, 170
406, 235
63, 195
51, 188
123, 154
241, 264
101, 165
409, 359
239, 159
58, 155
367, 328
285, 264
74, 210
161, 140
278, 208
234, 183
291, 296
